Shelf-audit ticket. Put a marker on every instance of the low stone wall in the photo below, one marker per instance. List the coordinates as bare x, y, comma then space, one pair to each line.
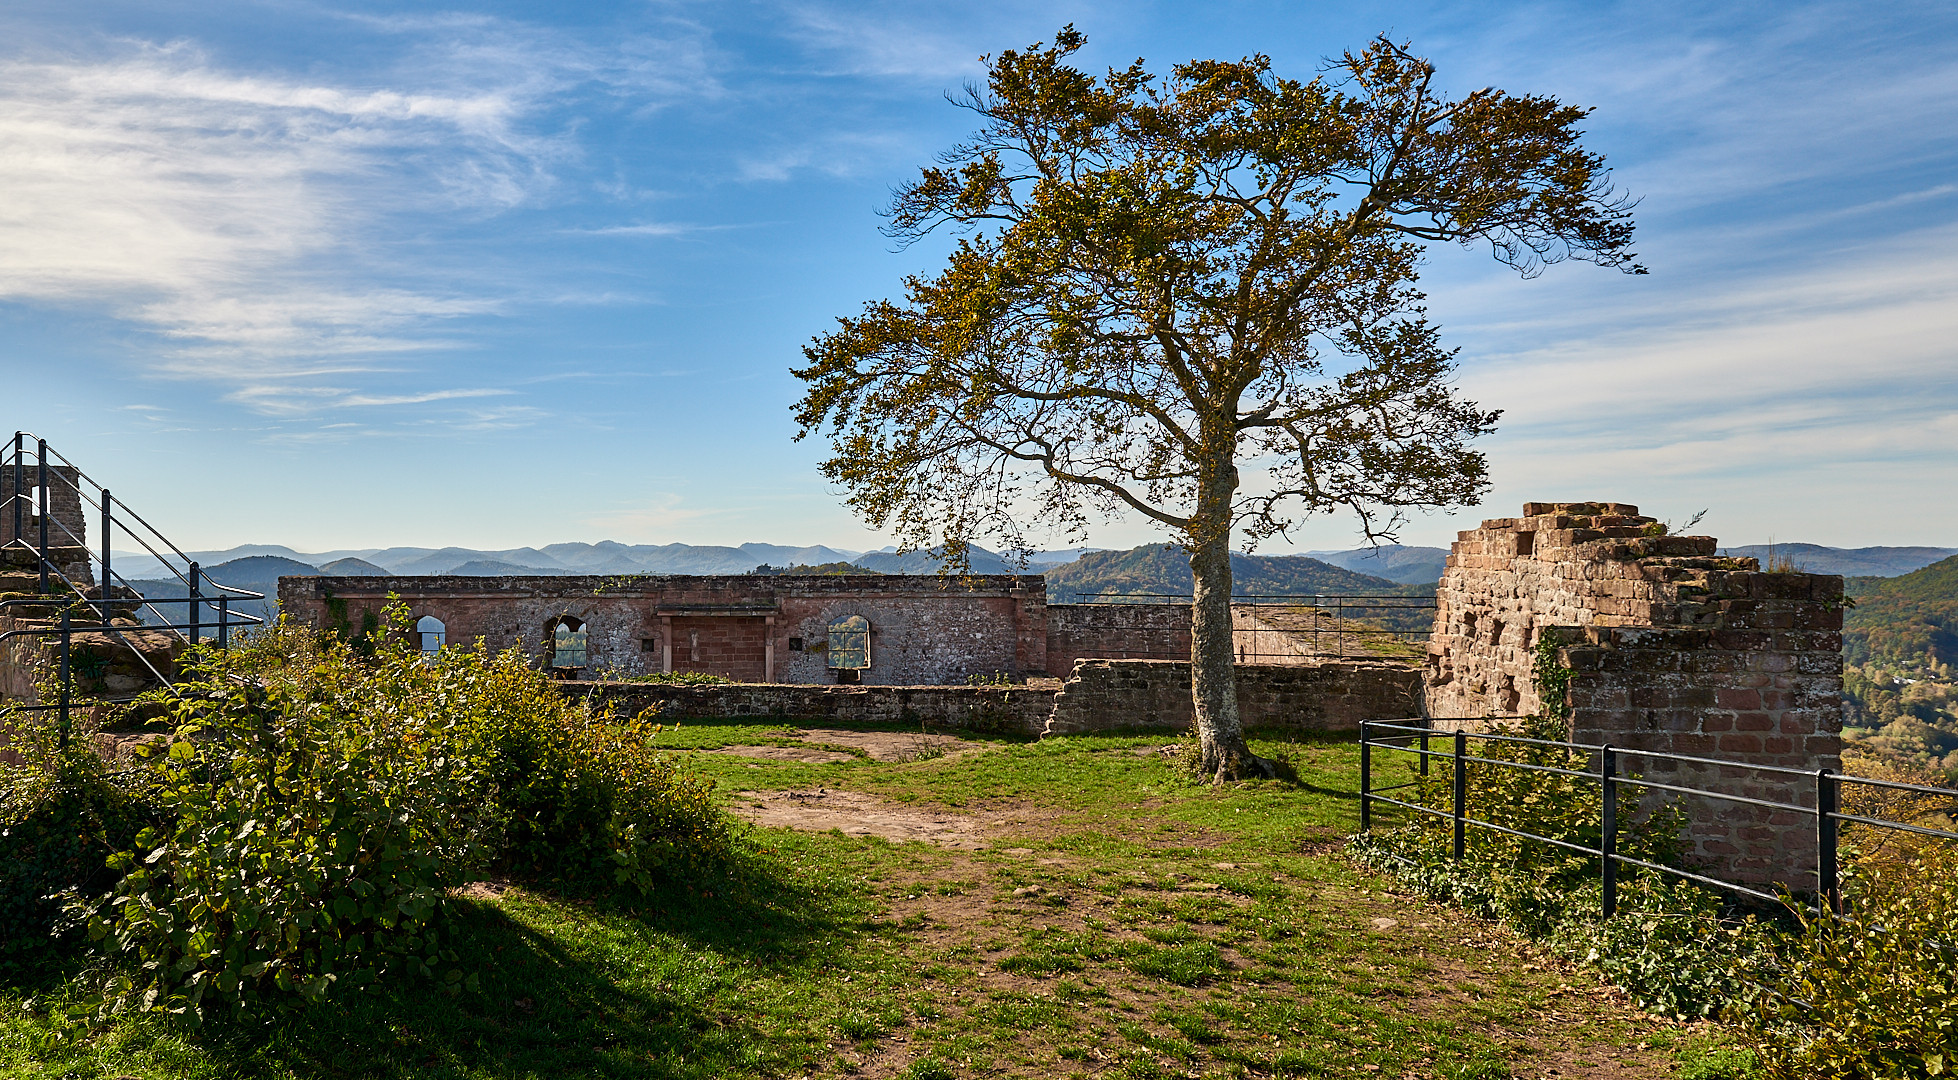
1100, 696
1008, 710
1117, 695
1115, 632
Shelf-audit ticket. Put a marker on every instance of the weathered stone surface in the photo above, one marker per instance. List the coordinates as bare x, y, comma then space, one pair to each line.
751, 628
1013, 710
1100, 696
1671, 649
1114, 695
1115, 632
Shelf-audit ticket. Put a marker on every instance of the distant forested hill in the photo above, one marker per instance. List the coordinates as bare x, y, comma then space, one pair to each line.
1899, 644
258, 573
1869, 561
978, 559
1909, 618
1165, 568
1408, 565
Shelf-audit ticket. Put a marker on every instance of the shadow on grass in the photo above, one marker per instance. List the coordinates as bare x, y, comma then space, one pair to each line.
675, 985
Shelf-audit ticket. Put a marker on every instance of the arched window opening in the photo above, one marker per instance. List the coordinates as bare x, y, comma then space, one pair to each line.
433, 634
566, 637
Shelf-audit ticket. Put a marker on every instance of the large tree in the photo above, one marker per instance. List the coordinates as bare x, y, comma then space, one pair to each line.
1193, 298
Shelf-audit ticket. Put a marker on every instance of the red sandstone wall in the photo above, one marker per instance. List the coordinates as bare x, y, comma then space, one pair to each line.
923, 629
1115, 695
1672, 649
1100, 696
1078, 632
1014, 710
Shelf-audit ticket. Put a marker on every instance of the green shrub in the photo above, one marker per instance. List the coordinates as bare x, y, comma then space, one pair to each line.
316, 824
1869, 993
62, 815
1863, 995
590, 801
1533, 877
321, 800
1671, 946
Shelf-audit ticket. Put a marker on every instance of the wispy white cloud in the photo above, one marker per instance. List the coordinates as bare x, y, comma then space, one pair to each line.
244, 218
879, 40
1755, 388
363, 400
663, 229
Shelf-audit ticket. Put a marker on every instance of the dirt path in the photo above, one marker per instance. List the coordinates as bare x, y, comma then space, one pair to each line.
856, 814
825, 746
894, 745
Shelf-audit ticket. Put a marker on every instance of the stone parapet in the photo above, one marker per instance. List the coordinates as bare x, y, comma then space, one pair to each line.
1117, 695
1008, 710
1100, 696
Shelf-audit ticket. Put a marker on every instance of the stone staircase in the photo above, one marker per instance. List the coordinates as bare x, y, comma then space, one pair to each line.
58, 596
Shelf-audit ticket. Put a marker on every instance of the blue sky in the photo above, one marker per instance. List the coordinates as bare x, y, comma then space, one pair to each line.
521, 273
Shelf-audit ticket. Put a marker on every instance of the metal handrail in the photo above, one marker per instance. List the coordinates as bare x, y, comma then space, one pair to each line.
1826, 810
51, 529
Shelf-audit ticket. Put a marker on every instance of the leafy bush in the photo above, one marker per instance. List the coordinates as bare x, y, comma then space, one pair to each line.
62, 814
1672, 946
1868, 993
321, 800
590, 801
1567, 808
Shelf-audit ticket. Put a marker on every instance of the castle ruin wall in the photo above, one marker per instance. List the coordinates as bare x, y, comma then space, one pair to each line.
1669, 648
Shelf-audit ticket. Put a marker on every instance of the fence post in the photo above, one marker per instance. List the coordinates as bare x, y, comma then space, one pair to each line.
64, 678
224, 621
20, 477
1427, 725
42, 495
1608, 834
194, 605
106, 522
1828, 801
1461, 791
1366, 777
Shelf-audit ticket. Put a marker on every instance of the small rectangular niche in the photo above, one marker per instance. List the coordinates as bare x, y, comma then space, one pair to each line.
1526, 543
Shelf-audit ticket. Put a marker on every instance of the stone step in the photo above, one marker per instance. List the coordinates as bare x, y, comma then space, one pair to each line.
113, 664
59, 554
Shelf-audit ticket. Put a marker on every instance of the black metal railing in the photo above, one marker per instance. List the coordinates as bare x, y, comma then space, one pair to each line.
1277, 628
1613, 768
55, 549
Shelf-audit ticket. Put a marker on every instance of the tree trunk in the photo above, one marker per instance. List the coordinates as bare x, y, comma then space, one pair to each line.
1213, 675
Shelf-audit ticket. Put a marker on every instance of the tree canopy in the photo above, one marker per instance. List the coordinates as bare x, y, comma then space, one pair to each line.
1193, 298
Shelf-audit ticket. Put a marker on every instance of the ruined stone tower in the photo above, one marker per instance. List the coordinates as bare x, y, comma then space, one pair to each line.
1666, 646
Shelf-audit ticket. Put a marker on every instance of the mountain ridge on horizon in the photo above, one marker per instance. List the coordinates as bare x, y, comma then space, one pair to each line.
1403, 564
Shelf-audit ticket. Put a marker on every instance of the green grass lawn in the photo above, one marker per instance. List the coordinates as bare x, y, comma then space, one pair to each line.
1119, 922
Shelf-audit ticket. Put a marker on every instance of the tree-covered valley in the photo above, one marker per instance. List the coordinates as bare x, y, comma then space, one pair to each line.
1900, 642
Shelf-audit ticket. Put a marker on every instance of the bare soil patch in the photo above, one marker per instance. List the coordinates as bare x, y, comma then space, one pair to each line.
893, 745
856, 814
